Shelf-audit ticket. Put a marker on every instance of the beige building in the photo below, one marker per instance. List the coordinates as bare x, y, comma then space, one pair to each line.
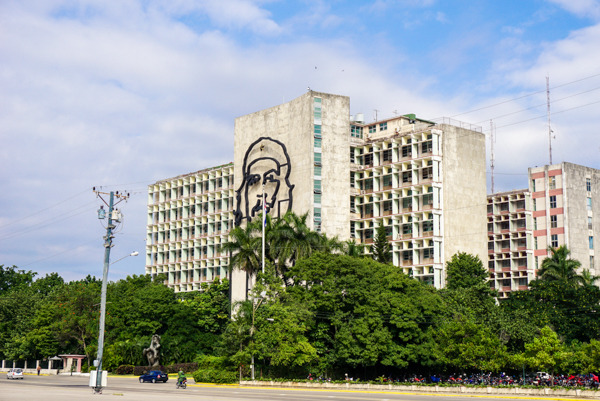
510, 241
566, 211
424, 181
189, 217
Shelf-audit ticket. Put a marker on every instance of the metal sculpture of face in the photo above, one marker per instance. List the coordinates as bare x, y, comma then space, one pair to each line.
266, 168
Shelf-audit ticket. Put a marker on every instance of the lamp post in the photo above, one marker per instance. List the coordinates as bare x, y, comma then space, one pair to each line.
252, 329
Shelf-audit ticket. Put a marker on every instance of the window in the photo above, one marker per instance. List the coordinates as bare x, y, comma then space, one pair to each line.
553, 202
407, 176
317, 130
552, 182
406, 203
590, 227
387, 206
387, 181
317, 186
318, 199
428, 253
352, 158
317, 142
591, 261
428, 173
317, 109
317, 171
427, 226
553, 221
369, 159
591, 239
535, 223
387, 155
317, 158
356, 132
406, 229
533, 185
383, 126
317, 214
407, 255
589, 203
426, 147
427, 199
588, 184
406, 151
554, 241
372, 129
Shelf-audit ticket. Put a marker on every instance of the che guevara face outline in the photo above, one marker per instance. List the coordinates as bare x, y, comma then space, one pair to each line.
272, 180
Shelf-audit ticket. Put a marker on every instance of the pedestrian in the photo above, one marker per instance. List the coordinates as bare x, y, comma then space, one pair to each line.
38, 369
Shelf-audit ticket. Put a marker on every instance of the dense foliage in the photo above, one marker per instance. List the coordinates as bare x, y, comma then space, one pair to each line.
320, 308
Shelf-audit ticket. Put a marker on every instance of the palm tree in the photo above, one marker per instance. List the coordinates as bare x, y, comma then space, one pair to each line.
354, 249
587, 279
559, 267
244, 246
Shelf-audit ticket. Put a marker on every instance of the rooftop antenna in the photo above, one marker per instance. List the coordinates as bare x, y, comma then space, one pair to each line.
375, 110
549, 126
492, 158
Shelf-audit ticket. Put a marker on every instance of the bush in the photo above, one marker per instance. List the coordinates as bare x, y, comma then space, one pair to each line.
186, 367
215, 376
124, 370
140, 370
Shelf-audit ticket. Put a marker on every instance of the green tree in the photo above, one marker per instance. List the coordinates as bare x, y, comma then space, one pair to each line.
381, 249
366, 314
465, 271
547, 352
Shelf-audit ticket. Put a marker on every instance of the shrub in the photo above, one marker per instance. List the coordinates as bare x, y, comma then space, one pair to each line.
215, 376
124, 370
186, 367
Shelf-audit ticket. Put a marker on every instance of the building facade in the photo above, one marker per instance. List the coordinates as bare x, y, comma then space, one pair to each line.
510, 241
424, 181
566, 211
189, 217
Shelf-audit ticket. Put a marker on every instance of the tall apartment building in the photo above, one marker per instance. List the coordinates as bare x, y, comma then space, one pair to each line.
566, 211
510, 241
424, 181
189, 216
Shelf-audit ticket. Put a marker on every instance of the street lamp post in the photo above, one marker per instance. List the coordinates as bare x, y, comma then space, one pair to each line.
252, 328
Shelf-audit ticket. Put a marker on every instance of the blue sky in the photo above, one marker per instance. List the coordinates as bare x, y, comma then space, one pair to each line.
122, 94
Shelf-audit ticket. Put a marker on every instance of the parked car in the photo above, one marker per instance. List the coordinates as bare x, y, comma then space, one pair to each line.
15, 373
154, 376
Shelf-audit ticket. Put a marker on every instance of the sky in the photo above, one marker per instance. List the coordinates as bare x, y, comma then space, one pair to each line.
116, 95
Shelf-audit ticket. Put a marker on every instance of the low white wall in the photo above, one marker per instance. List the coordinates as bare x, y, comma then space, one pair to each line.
429, 389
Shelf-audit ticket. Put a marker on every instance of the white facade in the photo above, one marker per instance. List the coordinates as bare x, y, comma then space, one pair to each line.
189, 217
510, 241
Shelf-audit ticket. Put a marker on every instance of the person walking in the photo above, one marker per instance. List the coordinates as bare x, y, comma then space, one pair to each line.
39, 368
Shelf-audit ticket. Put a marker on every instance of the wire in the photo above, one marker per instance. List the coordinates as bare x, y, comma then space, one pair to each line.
524, 96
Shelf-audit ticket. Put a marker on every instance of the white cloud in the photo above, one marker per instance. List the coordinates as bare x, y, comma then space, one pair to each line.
581, 8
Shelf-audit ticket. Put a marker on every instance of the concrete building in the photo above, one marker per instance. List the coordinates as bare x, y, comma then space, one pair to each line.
189, 216
566, 211
424, 181
510, 241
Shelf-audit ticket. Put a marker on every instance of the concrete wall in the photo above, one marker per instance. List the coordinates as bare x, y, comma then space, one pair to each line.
464, 194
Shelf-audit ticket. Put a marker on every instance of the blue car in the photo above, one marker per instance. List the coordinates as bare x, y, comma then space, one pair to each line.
154, 376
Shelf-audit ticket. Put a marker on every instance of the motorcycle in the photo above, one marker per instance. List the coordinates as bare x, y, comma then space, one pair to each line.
182, 384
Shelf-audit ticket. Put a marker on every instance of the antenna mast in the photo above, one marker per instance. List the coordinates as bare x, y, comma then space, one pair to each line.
492, 158
549, 127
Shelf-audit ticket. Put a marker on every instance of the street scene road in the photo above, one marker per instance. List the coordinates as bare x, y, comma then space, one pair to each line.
55, 388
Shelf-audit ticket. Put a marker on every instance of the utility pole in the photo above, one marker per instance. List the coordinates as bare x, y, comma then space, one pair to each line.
113, 216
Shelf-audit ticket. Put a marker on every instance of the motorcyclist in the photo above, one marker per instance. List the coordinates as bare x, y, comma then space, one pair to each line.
181, 377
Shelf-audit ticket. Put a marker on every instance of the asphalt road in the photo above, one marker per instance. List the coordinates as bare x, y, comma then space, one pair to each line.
60, 388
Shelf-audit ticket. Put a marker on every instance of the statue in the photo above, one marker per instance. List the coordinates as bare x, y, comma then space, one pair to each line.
152, 352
